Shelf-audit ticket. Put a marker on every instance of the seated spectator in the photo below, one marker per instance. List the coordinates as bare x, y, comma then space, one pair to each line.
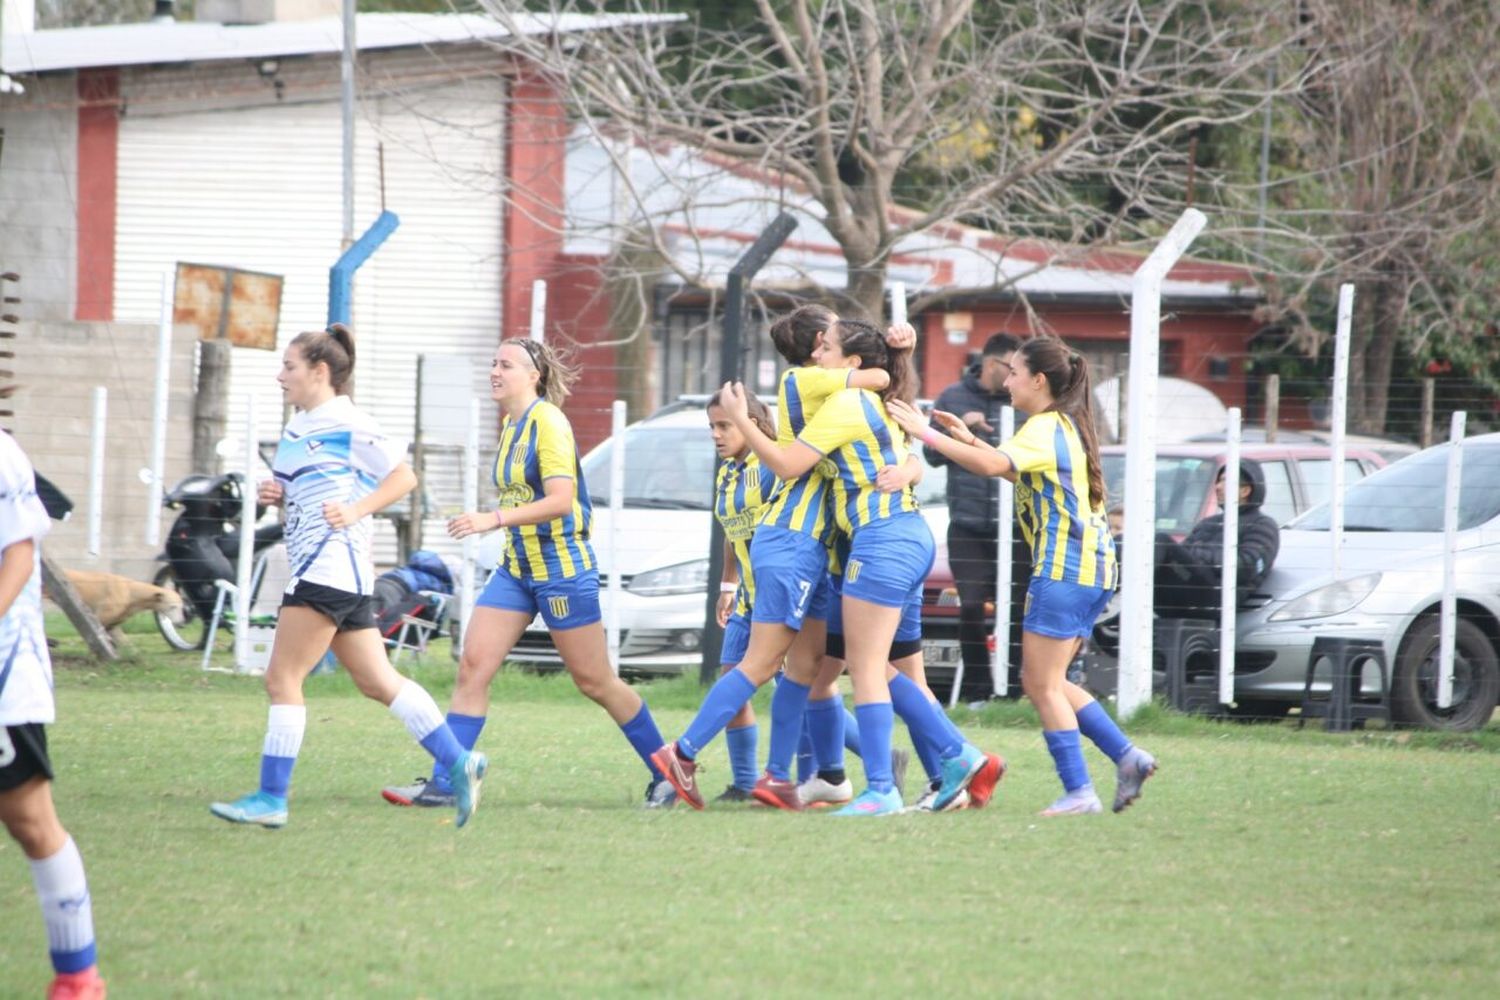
1188, 573
398, 592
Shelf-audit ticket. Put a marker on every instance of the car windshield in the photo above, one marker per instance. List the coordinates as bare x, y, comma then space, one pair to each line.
1408, 496
670, 468
1181, 485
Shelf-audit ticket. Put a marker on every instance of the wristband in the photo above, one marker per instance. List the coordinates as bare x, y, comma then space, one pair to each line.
499, 518
929, 434
728, 588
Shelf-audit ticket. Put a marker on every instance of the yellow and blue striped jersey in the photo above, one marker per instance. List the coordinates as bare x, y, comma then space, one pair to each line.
801, 504
741, 492
537, 447
1069, 538
859, 439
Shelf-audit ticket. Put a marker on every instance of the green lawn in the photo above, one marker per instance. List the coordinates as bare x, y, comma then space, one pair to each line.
1263, 860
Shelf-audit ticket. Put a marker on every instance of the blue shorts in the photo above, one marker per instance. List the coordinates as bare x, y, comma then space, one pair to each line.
909, 630
564, 604
888, 561
791, 577
736, 640
1062, 610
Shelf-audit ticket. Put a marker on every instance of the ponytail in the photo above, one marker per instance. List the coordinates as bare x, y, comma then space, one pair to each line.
1068, 379
333, 347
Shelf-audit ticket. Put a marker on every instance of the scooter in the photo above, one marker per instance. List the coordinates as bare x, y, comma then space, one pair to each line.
202, 547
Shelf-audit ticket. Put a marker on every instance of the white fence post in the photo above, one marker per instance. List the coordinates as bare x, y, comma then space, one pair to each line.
467, 596
157, 488
616, 513
1004, 568
1448, 619
898, 302
1339, 417
243, 571
96, 469
1137, 599
538, 310
1229, 579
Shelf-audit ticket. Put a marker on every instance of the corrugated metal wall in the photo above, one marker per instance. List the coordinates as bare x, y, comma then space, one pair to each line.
215, 168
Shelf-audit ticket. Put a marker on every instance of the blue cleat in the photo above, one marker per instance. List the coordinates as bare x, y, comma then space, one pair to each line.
466, 775
872, 803
257, 808
957, 772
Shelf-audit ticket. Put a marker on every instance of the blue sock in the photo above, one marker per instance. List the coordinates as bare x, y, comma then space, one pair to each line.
724, 699
925, 719
642, 733
443, 746
875, 722
276, 774
807, 761
1095, 723
466, 729
788, 705
825, 720
742, 752
851, 732
1067, 755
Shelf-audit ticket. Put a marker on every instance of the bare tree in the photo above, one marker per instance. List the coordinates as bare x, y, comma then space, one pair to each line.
1068, 120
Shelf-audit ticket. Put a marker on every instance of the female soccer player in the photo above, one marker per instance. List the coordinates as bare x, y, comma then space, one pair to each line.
742, 489
790, 556
1054, 462
549, 564
26, 708
333, 470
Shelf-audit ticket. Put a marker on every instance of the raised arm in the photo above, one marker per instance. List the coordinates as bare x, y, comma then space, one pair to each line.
789, 463
963, 448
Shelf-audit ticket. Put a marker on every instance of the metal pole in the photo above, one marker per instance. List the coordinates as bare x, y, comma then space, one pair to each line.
1340, 417
1137, 600
244, 569
1004, 569
538, 310
616, 516
1229, 578
471, 543
1448, 621
96, 468
1273, 406
159, 413
898, 302
346, 89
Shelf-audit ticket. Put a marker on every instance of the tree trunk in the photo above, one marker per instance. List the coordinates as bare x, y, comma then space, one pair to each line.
866, 292
1389, 311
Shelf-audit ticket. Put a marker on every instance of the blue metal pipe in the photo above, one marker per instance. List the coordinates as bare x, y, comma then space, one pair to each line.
341, 274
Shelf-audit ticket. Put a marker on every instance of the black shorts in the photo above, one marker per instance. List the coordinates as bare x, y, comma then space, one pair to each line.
900, 648
23, 755
349, 612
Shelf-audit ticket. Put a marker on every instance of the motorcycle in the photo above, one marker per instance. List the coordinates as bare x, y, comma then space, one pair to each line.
203, 546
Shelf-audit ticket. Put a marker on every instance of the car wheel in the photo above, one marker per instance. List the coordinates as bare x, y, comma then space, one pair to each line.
1107, 627
193, 631
1476, 678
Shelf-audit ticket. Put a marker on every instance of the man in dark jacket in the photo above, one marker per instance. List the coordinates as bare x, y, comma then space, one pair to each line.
973, 502
1188, 574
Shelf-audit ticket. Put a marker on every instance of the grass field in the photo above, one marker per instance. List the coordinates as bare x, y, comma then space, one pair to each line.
1262, 861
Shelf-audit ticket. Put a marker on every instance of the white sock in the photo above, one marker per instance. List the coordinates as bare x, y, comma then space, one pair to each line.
285, 725
63, 891
416, 710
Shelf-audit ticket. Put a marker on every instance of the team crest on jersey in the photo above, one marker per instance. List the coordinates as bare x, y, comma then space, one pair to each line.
314, 444
559, 606
851, 572
827, 469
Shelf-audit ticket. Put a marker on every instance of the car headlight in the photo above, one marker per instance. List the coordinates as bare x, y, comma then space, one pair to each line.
684, 578
1332, 599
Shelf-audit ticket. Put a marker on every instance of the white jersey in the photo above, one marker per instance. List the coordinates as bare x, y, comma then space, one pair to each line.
25, 666
334, 452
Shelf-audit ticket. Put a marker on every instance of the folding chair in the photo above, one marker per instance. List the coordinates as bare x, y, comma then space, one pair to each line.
268, 578
417, 629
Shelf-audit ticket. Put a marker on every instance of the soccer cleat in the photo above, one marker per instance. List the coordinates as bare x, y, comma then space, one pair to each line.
1079, 802
257, 808
873, 803
683, 774
660, 794
816, 792
732, 794
85, 985
467, 775
775, 792
982, 785
899, 759
957, 772
423, 793
1130, 774
924, 804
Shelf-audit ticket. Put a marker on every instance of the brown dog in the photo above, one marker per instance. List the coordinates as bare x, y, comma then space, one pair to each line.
116, 598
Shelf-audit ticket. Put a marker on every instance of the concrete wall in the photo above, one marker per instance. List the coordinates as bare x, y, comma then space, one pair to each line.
57, 366
39, 193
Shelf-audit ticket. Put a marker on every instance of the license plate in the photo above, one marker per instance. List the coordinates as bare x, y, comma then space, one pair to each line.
941, 652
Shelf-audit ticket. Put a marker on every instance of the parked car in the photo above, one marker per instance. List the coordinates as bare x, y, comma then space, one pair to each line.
1298, 477
661, 550
1389, 588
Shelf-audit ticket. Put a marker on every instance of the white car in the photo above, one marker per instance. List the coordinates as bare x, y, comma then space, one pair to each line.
1390, 589
661, 548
